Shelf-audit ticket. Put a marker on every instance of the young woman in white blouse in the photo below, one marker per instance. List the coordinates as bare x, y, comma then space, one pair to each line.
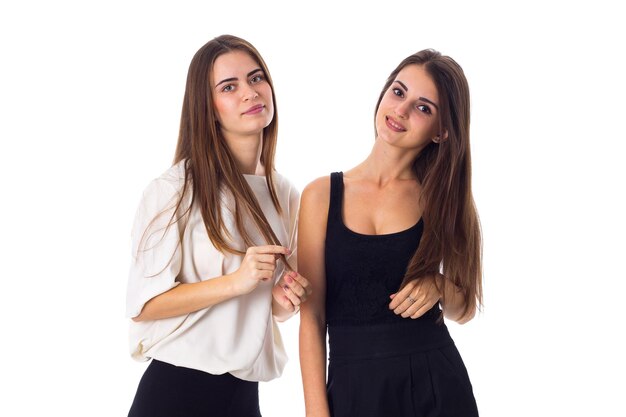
213, 248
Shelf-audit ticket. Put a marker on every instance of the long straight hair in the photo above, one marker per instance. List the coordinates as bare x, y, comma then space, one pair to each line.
209, 163
451, 243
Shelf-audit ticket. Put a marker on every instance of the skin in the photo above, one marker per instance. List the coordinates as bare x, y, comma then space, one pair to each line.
380, 197
238, 85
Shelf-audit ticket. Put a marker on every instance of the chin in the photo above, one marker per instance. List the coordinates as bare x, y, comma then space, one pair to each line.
390, 139
258, 125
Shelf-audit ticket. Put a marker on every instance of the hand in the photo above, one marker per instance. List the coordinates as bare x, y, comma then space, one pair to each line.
258, 265
416, 298
292, 290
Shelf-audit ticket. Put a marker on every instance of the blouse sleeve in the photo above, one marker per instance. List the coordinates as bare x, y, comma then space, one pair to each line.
156, 251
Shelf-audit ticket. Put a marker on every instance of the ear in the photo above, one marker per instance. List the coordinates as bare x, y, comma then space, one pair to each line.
441, 138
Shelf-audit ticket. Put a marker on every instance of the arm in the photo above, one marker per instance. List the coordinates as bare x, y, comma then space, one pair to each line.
292, 289
454, 307
258, 265
311, 236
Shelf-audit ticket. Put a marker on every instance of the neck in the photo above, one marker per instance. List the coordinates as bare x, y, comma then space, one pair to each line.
387, 163
246, 150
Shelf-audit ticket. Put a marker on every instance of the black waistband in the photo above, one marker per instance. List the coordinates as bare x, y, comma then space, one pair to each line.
383, 340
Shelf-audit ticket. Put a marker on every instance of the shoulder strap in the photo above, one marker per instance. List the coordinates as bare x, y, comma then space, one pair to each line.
336, 197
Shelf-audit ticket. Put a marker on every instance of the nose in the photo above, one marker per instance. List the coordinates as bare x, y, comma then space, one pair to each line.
402, 110
249, 93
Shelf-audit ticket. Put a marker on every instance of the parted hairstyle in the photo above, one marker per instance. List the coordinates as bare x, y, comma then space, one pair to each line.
209, 163
451, 243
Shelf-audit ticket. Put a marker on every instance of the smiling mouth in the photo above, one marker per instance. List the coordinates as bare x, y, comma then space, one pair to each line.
393, 125
255, 109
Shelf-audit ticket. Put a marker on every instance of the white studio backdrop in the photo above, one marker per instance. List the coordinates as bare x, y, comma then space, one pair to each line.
90, 99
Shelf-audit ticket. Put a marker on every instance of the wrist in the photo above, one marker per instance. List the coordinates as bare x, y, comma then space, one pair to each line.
231, 284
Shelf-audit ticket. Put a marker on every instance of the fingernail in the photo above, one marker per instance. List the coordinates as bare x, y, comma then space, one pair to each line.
289, 279
286, 288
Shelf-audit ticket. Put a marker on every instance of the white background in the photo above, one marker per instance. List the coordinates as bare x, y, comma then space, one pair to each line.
90, 99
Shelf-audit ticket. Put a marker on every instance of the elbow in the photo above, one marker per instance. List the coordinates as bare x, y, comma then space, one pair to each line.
462, 316
140, 317
466, 316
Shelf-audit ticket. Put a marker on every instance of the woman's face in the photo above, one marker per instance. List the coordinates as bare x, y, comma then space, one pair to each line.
241, 95
408, 114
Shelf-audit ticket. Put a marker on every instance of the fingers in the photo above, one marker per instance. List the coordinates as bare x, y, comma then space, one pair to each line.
269, 249
286, 303
407, 303
291, 296
280, 296
400, 297
260, 266
423, 303
264, 262
259, 270
298, 286
296, 289
268, 259
422, 310
264, 275
415, 299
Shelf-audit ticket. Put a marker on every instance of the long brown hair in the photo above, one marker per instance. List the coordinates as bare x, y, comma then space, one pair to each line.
451, 242
209, 163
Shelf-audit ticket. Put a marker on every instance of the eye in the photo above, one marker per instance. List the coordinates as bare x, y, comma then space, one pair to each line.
228, 88
423, 108
398, 92
256, 79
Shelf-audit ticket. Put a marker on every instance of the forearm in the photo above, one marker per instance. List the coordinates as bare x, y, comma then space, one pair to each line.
187, 298
454, 307
313, 365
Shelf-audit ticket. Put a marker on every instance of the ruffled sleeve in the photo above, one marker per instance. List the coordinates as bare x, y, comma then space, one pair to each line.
156, 250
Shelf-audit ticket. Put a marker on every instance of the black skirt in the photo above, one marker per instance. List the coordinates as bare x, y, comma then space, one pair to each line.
166, 390
397, 370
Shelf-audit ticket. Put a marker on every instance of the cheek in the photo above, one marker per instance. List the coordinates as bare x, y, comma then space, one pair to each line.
434, 127
222, 108
386, 106
266, 91
380, 113
267, 94
379, 121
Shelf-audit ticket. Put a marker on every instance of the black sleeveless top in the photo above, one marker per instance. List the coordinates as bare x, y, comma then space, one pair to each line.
362, 271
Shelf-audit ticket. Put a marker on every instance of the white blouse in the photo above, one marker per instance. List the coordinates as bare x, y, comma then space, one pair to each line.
240, 335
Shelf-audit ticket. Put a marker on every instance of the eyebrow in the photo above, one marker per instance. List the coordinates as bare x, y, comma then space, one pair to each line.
421, 98
235, 78
428, 101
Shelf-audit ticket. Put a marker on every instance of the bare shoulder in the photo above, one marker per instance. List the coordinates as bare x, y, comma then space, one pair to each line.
317, 193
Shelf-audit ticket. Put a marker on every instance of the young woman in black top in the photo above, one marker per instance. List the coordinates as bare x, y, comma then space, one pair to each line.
391, 247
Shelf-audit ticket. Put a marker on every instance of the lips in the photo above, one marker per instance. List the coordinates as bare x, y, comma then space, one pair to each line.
255, 109
394, 125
